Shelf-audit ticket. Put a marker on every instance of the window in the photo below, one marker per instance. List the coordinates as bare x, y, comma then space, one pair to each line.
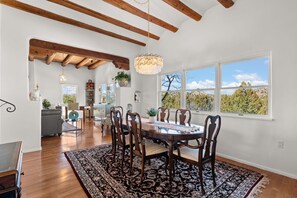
200, 89
244, 87
69, 93
171, 85
239, 88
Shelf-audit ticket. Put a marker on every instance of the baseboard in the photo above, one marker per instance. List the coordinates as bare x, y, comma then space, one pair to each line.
31, 150
293, 176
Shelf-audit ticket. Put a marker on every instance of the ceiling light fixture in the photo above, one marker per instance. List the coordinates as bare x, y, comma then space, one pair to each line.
62, 77
148, 64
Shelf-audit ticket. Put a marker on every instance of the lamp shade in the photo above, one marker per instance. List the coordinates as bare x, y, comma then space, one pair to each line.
73, 106
148, 64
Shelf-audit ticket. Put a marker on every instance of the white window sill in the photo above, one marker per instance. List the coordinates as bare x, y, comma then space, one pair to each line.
265, 118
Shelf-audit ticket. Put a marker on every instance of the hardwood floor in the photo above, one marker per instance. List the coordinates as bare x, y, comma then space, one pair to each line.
48, 173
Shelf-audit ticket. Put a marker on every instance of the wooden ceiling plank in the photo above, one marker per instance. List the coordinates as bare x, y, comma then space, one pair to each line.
82, 63
226, 3
133, 10
67, 60
60, 18
103, 17
97, 64
180, 6
50, 58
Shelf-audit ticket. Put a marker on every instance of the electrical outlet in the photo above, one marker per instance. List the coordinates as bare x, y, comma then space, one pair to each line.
281, 144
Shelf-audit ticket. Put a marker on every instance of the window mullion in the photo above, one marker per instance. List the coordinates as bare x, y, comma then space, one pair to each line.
218, 87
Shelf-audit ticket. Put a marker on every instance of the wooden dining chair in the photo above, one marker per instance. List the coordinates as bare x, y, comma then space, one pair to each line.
119, 138
183, 117
163, 114
143, 148
205, 149
119, 108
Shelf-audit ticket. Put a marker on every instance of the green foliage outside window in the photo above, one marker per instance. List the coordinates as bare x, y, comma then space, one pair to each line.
69, 98
171, 100
201, 101
246, 100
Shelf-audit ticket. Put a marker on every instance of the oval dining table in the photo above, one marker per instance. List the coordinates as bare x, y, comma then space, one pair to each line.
171, 133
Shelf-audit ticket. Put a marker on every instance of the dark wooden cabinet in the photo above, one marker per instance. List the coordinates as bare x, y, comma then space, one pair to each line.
10, 169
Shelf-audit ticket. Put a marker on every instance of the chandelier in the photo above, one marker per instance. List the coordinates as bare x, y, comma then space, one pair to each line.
62, 77
148, 64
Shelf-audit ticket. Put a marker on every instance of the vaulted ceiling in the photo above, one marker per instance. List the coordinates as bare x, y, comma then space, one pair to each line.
121, 19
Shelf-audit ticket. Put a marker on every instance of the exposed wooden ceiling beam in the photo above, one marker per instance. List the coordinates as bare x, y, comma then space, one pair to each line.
120, 65
226, 3
50, 58
67, 60
103, 17
50, 46
133, 10
180, 6
31, 57
56, 17
97, 64
82, 63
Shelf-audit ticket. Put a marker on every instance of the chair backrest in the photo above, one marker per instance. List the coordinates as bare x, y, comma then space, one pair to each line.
119, 108
211, 131
183, 116
117, 126
135, 130
163, 114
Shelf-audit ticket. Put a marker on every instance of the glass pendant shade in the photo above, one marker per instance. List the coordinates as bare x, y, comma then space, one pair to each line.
148, 64
63, 78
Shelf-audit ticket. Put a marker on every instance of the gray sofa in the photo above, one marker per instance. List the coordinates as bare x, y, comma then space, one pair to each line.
51, 122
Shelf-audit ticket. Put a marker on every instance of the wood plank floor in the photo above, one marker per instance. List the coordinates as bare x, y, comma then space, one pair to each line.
48, 173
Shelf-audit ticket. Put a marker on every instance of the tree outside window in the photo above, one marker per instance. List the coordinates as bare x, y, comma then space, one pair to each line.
171, 90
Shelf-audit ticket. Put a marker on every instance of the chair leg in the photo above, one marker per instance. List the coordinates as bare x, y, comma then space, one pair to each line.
123, 158
131, 162
213, 172
201, 178
142, 169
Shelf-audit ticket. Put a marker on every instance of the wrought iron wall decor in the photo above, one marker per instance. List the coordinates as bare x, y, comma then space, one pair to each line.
11, 108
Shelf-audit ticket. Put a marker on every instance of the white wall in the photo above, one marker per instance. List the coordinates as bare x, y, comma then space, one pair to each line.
248, 28
124, 95
47, 77
17, 29
0, 60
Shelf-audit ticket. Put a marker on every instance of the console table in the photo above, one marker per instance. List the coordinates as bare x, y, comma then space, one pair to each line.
10, 169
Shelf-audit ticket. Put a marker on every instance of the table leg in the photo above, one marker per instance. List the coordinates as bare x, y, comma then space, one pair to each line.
170, 153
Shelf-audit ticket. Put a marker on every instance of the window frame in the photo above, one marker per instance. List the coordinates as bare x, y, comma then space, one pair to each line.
181, 91
205, 89
62, 93
218, 88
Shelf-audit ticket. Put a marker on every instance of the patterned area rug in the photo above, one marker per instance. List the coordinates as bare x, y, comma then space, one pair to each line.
101, 177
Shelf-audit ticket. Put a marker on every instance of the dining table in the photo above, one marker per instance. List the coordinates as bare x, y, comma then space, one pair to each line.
171, 133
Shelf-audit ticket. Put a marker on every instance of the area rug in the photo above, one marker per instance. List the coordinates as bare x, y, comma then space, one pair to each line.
101, 177
66, 127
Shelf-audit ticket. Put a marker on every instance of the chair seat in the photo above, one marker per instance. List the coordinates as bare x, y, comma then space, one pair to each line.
153, 148
188, 153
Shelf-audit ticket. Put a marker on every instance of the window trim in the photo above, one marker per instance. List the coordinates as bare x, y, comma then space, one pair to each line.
65, 85
218, 87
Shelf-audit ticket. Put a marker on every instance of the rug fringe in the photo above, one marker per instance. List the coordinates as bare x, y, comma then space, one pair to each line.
257, 190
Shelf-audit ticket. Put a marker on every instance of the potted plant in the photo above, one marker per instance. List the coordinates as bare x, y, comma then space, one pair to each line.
46, 104
123, 79
152, 112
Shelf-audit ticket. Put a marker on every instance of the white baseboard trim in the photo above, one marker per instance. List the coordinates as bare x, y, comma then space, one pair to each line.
293, 176
31, 150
